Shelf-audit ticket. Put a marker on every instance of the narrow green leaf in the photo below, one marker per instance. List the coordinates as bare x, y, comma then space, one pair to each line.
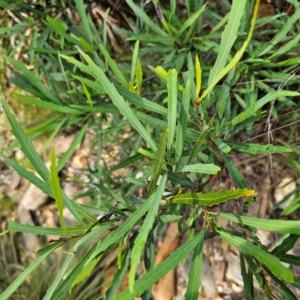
217, 76
47, 105
191, 20
117, 99
141, 102
57, 193
265, 258
117, 280
182, 123
210, 199
123, 229
258, 148
85, 272
84, 19
16, 28
40, 230
56, 24
139, 77
159, 161
172, 108
290, 259
286, 245
261, 102
46, 188
280, 226
229, 36
222, 145
66, 156
58, 277
115, 69
201, 168
194, 282
135, 56
198, 76
201, 139
234, 172
160, 270
144, 231
26, 144
280, 35
34, 81
88, 238
143, 16
26, 273
69, 279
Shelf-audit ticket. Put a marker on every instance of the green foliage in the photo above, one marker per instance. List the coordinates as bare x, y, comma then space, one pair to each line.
184, 127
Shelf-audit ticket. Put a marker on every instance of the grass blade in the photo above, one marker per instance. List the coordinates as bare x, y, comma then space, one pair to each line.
280, 226
26, 145
159, 161
182, 123
57, 193
265, 258
144, 231
172, 108
160, 270
194, 282
229, 36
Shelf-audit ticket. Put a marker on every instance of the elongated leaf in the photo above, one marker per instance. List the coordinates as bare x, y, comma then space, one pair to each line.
57, 193
26, 144
234, 172
117, 72
290, 259
159, 161
201, 168
44, 187
201, 139
34, 81
143, 16
68, 280
280, 35
257, 148
141, 102
26, 273
47, 105
85, 272
198, 76
194, 282
144, 232
160, 270
280, 226
229, 36
123, 229
265, 258
261, 102
172, 108
210, 199
117, 99
117, 280
286, 245
182, 122
84, 19
222, 145
67, 155
58, 277
39, 230
191, 20
219, 75
89, 237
